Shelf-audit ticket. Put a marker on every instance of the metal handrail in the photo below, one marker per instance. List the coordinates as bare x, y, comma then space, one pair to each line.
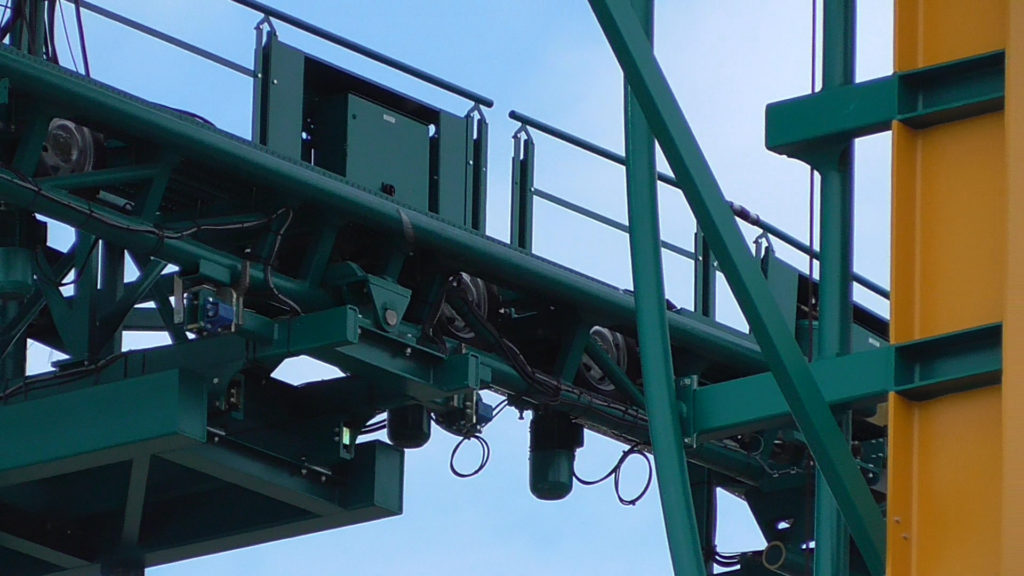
164, 37
610, 222
365, 51
739, 211
307, 27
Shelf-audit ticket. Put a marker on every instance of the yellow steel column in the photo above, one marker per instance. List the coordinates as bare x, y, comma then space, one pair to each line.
1013, 321
950, 249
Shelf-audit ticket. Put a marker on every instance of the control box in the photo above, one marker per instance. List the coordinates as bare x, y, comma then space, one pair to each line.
422, 156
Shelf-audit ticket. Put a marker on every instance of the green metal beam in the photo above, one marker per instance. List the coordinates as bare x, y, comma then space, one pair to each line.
135, 502
856, 380
662, 404
35, 550
835, 303
933, 367
611, 370
704, 195
102, 178
91, 102
801, 127
260, 474
369, 487
101, 424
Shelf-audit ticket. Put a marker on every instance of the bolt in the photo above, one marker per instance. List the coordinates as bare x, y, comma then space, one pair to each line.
304, 472
216, 439
408, 351
390, 317
906, 536
216, 380
323, 479
897, 519
275, 81
337, 438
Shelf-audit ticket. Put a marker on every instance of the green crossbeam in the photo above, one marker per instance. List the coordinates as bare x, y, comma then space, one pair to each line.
704, 195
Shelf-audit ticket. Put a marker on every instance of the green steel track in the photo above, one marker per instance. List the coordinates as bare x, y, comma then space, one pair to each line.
249, 254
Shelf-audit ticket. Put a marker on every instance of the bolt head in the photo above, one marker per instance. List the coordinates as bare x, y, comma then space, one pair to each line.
390, 317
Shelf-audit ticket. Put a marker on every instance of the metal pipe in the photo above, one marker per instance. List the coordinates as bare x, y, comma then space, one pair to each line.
164, 37
739, 211
365, 51
89, 101
602, 219
652, 330
835, 308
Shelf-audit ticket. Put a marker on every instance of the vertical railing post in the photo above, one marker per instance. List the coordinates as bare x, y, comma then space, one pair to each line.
652, 331
522, 190
832, 548
704, 276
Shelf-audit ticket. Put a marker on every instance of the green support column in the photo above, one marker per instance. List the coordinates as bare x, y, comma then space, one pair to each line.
652, 330
704, 195
835, 313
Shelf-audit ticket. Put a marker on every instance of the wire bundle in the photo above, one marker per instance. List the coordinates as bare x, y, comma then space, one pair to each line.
485, 456
616, 474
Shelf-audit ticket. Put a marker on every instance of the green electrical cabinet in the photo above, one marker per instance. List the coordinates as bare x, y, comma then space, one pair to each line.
424, 157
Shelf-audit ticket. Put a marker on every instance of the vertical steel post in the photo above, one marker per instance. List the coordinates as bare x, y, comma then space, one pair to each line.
831, 548
652, 330
796, 382
521, 232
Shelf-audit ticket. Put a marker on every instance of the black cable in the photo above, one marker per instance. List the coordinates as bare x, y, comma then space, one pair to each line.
549, 386
67, 35
162, 234
81, 38
5, 28
51, 31
485, 456
9, 23
616, 474
273, 254
60, 377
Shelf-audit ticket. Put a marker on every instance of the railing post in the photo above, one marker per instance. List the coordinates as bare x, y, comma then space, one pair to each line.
521, 232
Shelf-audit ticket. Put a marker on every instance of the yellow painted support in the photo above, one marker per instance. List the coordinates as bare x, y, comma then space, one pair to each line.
956, 254
1013, 326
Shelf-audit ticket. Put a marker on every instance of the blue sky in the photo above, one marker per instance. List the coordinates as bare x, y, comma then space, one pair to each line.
725, 58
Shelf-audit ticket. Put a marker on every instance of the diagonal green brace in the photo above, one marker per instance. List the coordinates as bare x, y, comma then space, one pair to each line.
704, 195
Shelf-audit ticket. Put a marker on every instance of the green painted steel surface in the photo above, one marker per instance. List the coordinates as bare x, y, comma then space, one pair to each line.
475, 253
918, 98
91, 427
652, 326
835, 302
276, 448
795, 379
